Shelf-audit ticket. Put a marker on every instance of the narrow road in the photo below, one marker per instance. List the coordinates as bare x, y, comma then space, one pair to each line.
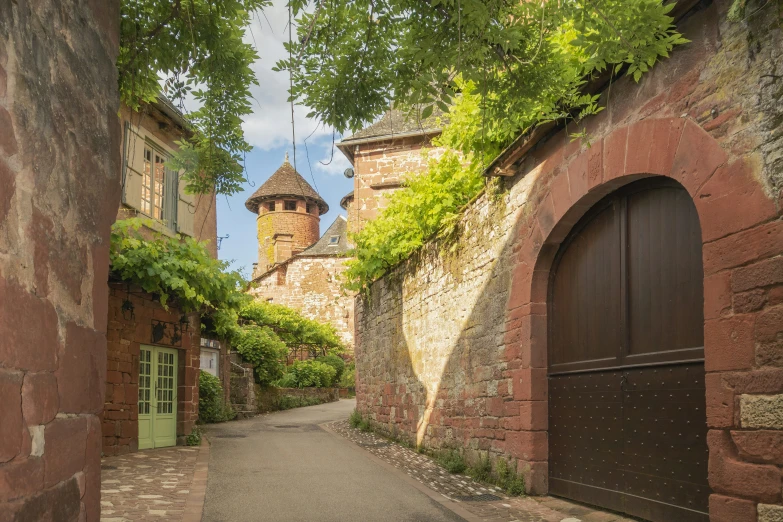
282, 467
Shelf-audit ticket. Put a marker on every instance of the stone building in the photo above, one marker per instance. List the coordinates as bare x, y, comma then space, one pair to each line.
612, 320
382, 155
154, 354
60, 139
295, 267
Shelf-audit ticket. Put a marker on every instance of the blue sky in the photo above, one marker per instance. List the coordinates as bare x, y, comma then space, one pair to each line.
268, 130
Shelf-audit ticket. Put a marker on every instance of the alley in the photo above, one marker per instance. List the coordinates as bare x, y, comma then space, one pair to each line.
283, 466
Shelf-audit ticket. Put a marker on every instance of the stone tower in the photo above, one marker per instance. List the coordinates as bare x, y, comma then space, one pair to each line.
288, 216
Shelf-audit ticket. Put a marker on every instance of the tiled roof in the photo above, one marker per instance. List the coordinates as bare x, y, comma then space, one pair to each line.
334, 242
285, 182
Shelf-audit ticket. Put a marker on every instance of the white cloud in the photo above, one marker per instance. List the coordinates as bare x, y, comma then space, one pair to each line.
269, 126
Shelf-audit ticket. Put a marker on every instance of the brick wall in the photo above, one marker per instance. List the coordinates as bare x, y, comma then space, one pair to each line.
312, 286
59, 189
126, 333
297, 227
451, 347
379, 169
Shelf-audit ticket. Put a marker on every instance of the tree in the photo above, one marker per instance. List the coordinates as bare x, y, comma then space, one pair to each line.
197, 46
528, 59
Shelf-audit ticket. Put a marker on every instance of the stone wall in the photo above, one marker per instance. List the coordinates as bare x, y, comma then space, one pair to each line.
311, 285
380, 168
59, 189
451, 346
127, 331
268, 397
298, 229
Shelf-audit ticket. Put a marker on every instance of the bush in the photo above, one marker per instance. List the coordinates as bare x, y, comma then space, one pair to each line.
211, 407
307, 374
194, 439
348, 379
357, 420
260, 346
452, 460
336, 362
287, 402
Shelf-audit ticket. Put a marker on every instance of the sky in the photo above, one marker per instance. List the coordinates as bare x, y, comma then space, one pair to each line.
268, 130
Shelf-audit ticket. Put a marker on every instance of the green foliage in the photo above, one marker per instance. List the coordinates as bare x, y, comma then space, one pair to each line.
288, 402
295, 330
348, 379
508, 478
429, 203
482, 469
211, 405
529, 59
452, 460
194, 439
336, 362
178, 268
260, 346
198, 47
308, 374
359, 421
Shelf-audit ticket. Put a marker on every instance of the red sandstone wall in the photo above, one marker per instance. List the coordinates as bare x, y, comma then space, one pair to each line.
303, 227
311, 285
708, 117
59, 190
126, 332
379, 168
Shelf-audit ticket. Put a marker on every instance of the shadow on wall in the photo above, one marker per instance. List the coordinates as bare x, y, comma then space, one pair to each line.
451, 346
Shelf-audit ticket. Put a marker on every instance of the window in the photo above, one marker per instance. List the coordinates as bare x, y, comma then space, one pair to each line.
153, 191
290, 205
334, 240
270, 206
310, 208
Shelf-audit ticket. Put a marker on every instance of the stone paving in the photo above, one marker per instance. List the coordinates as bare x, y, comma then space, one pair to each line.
496, 505
147, 485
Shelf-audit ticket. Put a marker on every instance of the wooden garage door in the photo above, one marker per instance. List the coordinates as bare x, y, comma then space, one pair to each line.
627, 414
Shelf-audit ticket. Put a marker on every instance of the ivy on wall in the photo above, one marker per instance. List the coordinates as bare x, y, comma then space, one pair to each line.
176, 268
498, 68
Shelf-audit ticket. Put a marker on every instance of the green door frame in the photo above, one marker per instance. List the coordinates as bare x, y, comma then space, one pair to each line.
158, 368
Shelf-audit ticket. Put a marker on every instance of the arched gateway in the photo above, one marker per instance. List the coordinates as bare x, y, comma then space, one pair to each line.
608, 293
627, 420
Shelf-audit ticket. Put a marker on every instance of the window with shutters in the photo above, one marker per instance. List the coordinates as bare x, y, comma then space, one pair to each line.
153, 189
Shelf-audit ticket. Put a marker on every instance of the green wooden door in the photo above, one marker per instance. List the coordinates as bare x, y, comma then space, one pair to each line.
157, 397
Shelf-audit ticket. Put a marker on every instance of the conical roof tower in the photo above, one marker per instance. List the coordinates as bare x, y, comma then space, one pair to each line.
289, 211
285, 183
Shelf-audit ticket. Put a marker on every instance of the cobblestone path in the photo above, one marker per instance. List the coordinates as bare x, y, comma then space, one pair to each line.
147, 485
488, 503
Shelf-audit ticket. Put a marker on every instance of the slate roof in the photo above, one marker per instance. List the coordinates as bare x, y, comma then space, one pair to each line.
346, 200
285, 182
398, 122
325, 247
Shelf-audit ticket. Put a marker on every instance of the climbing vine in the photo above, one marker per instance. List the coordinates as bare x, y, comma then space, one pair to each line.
497, 68
196, 49
176, 269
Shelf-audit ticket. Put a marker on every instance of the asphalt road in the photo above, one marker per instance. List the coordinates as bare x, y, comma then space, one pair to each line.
282, 467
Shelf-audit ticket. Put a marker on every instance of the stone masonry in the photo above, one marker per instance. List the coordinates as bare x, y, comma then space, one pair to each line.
311, 285
59, 190
451, 346
126, 333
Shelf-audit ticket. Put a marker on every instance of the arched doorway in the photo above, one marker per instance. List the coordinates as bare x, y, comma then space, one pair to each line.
627, 421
